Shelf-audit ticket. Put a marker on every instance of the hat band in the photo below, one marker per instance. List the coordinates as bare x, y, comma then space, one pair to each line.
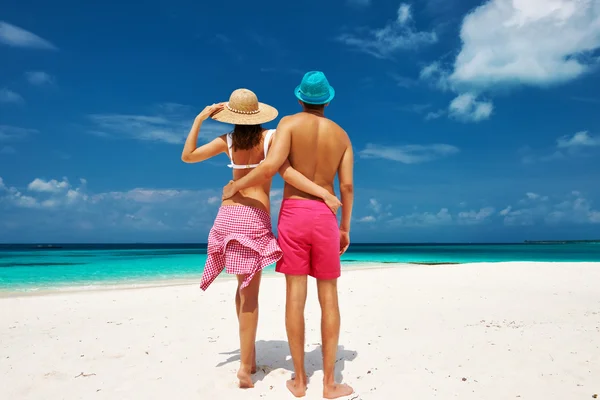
241, 111
323, 97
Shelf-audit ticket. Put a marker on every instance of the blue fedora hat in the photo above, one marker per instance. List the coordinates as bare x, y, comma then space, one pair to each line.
314, 89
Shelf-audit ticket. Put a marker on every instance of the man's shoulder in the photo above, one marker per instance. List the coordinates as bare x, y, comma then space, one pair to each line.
293, 117
303, 120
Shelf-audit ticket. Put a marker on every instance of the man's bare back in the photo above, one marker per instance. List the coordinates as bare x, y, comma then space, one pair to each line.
317, 147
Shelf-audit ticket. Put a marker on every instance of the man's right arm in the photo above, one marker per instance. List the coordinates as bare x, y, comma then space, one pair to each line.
346, 180
277, 155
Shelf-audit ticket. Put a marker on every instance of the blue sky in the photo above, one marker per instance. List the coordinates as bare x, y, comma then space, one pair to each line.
471, 121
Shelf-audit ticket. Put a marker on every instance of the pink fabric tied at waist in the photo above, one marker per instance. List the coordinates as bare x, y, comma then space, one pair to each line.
241, 242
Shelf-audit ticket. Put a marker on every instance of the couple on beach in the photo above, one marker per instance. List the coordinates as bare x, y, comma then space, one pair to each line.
308, 150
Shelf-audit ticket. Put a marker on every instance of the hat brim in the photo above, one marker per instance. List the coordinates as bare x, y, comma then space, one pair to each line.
309, 100
265, 114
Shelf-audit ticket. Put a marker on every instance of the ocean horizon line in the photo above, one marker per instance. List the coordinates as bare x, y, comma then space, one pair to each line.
57, 244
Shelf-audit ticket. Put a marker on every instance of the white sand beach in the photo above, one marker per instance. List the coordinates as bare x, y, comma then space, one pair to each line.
473, 331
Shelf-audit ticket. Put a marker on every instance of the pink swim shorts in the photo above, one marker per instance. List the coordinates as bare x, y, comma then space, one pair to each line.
309, 237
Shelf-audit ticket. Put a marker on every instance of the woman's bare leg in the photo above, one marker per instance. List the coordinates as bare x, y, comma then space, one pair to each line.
248, 319
238, 301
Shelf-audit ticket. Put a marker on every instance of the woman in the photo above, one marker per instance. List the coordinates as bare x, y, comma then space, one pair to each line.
241, 240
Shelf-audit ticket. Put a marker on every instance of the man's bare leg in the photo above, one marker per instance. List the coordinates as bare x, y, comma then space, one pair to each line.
294, 324
330, 334
238, 301
248, 320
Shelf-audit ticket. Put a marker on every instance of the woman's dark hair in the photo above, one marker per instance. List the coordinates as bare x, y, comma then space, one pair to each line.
246, 137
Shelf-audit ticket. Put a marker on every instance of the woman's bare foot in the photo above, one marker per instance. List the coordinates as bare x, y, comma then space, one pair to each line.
336, 391
245, 379
297, 387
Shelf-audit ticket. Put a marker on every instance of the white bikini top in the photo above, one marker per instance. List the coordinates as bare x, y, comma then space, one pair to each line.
230, 147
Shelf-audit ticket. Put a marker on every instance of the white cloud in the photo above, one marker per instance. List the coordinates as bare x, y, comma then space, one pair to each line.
404, 13
141, 195
518, 42
170, 124
594, 217
409, 154
534, 42
533, 197
375, 205
377, 211
475, 217
519, 218
10, 97
506, 211
436, 74
435, 114
580, 139
25, 201
213, 200
425, 219
17, 37
466, 107
566, 147
13, 196
535, 209
430, 70
141, 127
51, 186
74, 195
574, 209
57, 203
9, 133
39, 78
50, 194
396, 36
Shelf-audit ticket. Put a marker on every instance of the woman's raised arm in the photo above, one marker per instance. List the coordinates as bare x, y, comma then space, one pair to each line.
193, 154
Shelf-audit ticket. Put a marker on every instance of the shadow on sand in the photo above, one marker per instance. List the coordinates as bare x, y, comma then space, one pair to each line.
275, 354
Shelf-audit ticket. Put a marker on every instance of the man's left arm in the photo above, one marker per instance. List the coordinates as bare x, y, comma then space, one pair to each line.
277, 155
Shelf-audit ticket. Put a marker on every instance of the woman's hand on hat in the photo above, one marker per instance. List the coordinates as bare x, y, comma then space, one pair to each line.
209, 111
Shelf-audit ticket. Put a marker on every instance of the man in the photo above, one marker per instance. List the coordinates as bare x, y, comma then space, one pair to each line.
308, 233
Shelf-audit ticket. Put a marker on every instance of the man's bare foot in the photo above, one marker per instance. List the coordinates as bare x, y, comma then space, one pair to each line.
245, 379
297, 387
336, 391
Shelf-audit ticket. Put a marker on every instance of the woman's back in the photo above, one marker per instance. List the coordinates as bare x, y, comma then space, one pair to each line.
247, 150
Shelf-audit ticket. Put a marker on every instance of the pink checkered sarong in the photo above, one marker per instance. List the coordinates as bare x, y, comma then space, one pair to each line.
241, 242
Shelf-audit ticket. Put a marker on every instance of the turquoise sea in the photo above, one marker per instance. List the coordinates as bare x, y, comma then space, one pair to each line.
35, 267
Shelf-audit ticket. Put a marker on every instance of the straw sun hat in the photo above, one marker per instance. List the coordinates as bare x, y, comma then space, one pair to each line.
243, 108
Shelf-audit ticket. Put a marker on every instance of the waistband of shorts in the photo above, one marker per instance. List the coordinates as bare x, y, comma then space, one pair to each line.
304, 203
